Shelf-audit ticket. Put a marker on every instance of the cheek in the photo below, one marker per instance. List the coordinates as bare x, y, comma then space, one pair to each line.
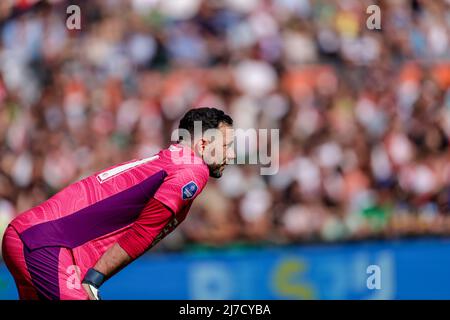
217, 152
210, 154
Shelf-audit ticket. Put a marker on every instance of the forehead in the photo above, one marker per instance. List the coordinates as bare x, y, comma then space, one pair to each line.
227, 133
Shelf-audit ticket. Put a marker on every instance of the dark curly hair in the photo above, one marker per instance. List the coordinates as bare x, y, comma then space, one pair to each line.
211, 118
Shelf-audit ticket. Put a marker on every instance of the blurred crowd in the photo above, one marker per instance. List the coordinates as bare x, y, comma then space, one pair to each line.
364, 115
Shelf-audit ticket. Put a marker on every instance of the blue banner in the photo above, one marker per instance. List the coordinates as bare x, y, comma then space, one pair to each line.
417, 269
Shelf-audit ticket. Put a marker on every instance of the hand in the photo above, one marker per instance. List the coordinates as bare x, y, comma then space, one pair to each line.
91, 291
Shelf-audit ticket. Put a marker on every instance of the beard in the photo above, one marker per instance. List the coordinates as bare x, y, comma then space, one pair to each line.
216, 170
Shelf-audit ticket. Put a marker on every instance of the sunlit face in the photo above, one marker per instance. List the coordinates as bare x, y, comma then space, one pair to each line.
218, 151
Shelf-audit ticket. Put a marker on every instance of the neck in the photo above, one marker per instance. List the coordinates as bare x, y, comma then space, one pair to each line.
189, 146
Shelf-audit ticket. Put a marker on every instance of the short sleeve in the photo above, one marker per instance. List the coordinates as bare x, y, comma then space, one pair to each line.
182, 187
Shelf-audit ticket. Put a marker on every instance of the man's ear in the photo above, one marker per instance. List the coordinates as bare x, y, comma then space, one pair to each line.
201, 145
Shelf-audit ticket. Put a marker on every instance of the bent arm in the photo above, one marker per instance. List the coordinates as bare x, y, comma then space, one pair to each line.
112, 261
135, 241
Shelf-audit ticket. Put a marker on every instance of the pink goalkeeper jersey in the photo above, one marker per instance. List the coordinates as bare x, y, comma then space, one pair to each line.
90, 215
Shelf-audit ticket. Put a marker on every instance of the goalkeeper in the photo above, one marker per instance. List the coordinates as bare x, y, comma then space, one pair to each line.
95, 227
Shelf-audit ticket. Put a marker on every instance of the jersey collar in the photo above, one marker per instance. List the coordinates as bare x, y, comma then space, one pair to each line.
186, 151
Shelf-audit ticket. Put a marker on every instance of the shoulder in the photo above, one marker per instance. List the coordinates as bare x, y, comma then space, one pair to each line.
183, 184
183, 166
198, 173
